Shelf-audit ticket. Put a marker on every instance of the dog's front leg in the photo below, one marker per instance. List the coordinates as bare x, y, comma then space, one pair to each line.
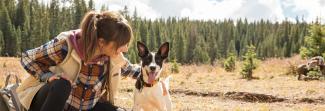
169, 106
168, 102
136, 108
165, 104
136, 100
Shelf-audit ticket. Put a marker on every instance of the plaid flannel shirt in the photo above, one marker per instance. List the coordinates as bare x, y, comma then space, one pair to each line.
88, 89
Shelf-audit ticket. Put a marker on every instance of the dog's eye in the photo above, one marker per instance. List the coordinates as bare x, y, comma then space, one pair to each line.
147, 60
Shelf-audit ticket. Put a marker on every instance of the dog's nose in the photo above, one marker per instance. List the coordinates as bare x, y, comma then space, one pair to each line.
152, 68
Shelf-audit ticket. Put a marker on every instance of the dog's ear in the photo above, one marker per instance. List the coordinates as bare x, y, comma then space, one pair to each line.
142, 49
164, 50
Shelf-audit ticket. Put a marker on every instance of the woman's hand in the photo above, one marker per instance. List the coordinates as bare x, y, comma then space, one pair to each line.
62, 75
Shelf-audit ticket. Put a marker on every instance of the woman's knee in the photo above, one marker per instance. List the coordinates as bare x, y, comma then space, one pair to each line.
104, 106
60, 85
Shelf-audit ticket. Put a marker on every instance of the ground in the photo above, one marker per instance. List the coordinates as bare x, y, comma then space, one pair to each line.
210, 88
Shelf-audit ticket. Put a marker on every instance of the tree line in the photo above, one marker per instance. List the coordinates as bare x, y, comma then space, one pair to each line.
27, 24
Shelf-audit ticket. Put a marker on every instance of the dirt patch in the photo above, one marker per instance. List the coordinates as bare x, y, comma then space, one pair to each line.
248, 97
252, 97
195, 93
310, 100
242, 96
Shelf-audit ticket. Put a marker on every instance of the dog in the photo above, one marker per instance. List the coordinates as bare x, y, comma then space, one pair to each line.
151, 93
315, 62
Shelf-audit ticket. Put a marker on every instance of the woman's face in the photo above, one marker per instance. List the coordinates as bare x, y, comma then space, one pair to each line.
110, 50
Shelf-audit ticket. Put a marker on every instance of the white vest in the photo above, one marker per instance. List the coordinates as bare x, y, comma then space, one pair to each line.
71, 66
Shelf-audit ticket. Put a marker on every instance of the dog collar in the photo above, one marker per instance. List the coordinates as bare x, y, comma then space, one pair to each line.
163, 86
150, 85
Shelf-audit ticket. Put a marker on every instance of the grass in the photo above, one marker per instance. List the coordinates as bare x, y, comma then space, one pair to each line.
206, 78
10, 65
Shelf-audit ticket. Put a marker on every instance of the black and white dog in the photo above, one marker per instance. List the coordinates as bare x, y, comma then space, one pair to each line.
151, 93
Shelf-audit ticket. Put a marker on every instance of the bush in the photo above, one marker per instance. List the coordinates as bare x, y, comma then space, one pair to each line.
175, 67
292, 69
315, 73
230, 63
249, 63
314, 42
4, 65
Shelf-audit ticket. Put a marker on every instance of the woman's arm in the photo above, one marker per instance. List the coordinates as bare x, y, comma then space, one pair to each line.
37, 61
131, 70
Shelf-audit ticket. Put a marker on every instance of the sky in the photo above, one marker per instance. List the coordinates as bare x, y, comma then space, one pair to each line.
274, 10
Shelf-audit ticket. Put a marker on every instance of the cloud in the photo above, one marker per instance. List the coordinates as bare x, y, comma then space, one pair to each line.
250, 9
143, 9
205, 9
275, 10
310, 9
261, 9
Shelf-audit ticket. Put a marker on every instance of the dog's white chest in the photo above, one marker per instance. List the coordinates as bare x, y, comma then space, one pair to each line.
148, 94
151, 99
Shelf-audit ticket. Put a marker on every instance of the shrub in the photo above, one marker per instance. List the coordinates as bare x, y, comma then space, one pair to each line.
230, 63
175, 67
249, 63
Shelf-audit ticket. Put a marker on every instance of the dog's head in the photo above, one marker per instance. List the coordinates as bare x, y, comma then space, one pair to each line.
152, 62
312, 63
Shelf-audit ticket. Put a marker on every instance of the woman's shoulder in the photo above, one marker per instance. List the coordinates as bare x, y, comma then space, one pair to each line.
60, 41
64, 36
58, 44
55, 50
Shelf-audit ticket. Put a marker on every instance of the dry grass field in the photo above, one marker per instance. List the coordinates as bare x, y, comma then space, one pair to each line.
210, 88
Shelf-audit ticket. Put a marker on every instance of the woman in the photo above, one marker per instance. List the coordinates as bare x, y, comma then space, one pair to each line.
79, 69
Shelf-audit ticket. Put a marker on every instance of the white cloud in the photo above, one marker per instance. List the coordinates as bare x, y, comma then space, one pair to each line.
275, 10
143, 9
312, 8
250, 9
205, 9
261, 9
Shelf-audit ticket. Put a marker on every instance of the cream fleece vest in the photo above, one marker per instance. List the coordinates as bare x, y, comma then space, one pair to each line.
71, 67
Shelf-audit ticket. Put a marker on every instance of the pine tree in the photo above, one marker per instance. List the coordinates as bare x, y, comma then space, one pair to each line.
21, 13
180, 48
231, 48
10, 4
40, 22
8, 30
36, 29
249, 63
152, 40
54, 15
45, 23
230, 63
135, 15
103, 8
1, 42
133, 56
175, 67
91, 5
25, 37
78, 13
201, 55
314, 42
18, 35
125, 11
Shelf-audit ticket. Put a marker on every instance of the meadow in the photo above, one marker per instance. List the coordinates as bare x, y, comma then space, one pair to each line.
211, 88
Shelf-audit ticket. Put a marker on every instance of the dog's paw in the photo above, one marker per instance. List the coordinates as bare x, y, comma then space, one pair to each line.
122, 109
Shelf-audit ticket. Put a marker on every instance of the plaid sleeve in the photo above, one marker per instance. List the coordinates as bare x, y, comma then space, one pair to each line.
37, 61
131, 70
